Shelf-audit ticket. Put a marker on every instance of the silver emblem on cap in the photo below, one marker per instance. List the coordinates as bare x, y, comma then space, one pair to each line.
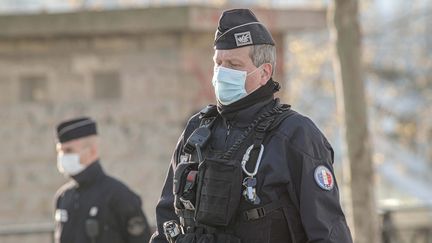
243, 38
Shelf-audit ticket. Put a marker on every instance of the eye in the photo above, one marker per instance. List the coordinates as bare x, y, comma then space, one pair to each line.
216, 62
67, 150
234, 65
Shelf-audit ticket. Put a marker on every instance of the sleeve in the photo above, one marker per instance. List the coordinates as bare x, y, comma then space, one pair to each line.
317, 191
131, 218
165, 207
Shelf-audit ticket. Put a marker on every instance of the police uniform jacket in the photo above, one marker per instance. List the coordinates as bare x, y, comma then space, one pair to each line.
96, 208
295, 158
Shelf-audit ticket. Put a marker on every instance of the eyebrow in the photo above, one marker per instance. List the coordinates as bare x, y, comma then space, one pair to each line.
231, 60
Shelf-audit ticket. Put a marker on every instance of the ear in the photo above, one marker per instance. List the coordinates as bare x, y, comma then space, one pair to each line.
94, 150
266, 73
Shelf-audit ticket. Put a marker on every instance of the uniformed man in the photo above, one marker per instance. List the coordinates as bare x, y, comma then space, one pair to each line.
250, 169
93, 207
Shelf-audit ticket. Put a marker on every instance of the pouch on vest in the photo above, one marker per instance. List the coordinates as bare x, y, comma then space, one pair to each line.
184, 185
186, 238
219, 191
207, 238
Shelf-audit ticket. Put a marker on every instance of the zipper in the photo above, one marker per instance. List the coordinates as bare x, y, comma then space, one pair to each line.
228, 130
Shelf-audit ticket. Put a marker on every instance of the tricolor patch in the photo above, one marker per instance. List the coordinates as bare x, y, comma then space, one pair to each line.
324, 178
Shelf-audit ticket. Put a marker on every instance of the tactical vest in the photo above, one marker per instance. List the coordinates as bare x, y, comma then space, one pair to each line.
214, 190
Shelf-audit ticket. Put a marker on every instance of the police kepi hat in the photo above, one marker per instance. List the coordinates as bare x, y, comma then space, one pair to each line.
76, 128
238, 28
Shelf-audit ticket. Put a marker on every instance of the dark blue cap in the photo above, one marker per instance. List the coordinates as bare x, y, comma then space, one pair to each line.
238, 28
76, 128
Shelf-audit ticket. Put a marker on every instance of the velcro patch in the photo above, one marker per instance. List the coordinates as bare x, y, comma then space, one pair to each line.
136, 226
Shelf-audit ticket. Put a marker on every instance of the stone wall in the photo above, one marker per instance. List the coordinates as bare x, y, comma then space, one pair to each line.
139, 125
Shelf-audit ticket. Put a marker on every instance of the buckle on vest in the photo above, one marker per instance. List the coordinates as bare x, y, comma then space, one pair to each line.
255, 213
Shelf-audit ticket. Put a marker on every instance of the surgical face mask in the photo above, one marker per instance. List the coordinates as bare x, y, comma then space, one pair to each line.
229, 84
69, 164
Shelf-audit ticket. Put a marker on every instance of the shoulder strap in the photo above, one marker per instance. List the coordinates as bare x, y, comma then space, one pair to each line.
195, 122
265, 128
256, 124
292, 217
205, 118
208, 111
261, 212
285, 112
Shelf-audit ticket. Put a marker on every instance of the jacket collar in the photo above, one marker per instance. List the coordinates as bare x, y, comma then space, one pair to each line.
244, 117
90, 175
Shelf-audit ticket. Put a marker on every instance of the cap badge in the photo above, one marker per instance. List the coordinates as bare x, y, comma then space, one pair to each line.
243, 38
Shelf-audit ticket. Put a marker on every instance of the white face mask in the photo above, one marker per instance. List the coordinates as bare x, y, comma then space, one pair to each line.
69, 164
230, 84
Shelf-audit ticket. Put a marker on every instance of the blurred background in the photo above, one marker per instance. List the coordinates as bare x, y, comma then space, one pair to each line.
142, 67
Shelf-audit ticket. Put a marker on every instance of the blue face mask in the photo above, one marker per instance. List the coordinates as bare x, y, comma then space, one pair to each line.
229, 84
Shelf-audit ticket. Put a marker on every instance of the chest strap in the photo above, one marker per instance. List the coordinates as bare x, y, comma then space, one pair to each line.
261, 212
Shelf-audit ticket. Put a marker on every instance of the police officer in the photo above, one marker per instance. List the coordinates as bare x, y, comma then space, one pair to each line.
249, 169
93, 207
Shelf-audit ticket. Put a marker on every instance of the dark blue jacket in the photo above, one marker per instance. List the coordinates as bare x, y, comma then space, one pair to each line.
292, 165
93, 197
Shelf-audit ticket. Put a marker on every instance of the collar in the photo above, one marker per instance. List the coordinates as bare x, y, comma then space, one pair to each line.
90, 175
243, 117
242, 112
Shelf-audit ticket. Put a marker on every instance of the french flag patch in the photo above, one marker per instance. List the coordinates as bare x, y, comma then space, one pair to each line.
324, 178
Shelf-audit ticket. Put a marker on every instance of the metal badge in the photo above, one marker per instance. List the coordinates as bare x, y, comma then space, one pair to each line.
171, 230
61, 215
243, 38
93, 211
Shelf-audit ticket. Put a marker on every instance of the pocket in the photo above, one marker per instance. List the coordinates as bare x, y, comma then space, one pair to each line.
187, 238
295, 226
254, 231
227, 238
207, 238
219, 191
183, 188
279, 232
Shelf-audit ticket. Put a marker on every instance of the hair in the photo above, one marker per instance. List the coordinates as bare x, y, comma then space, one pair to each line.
264, 53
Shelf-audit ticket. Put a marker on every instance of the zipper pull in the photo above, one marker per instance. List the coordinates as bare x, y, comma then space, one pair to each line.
228, 128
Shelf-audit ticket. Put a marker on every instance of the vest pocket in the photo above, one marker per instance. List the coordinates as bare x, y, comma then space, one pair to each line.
254, 231
187, 238
207, 238
219, 191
